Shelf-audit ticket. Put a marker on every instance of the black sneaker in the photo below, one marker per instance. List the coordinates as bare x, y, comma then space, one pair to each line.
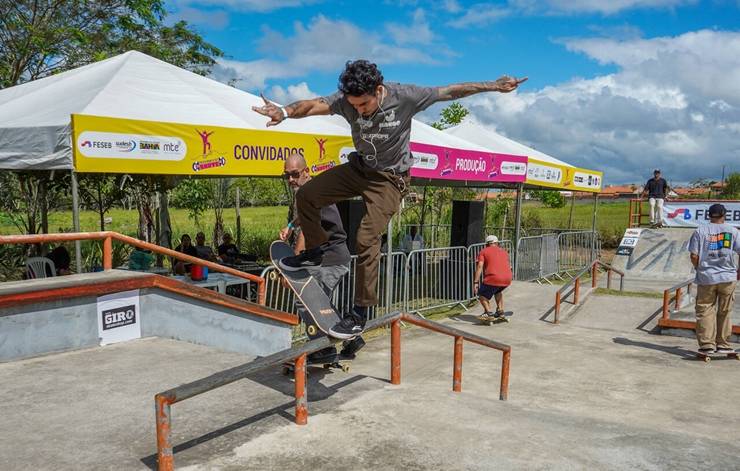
351, 347
725, 350
305, 259
499, 314
325, 355
349, 327
707, 350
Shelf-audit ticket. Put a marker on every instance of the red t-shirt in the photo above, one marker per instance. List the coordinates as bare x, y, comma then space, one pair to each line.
496, 268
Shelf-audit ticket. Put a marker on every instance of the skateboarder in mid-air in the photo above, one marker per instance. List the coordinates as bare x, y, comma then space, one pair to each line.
336, 253
379, 115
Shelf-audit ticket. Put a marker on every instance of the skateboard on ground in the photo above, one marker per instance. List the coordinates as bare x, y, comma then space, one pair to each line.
707, 357
339, 362
497, 320
322, 315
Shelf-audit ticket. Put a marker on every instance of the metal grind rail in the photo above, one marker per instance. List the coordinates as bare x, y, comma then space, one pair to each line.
108, 237
164, 400
575, 283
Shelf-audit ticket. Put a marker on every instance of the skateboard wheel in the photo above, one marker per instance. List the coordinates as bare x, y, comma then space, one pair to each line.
311, 330
345, 368
273, 275
707, 359
327, 366
286, 371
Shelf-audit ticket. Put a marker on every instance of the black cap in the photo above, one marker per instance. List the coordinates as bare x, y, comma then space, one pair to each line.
717, 210
657, 170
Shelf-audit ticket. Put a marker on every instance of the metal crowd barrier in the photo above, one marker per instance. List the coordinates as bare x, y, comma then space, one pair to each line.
432, 278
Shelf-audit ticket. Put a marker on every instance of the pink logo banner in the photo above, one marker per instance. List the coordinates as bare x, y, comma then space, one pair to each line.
446, 163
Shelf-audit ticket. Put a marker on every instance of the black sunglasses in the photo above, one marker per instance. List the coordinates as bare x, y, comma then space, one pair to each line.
295, 175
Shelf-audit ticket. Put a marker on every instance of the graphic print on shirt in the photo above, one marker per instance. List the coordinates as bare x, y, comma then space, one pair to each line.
720, 241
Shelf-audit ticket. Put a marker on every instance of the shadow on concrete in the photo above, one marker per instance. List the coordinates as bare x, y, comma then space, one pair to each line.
655, 329
678, 351
280, 383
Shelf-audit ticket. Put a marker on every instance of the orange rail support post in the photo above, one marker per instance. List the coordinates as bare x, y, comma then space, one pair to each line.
396, 352
504, 391
165, 459
108, 253
457, 365
576, 290
557, 307
301, 404
677, 304
594, 272
666, 300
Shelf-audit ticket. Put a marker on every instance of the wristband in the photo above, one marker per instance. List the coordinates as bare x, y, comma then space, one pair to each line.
285, 112
290, 225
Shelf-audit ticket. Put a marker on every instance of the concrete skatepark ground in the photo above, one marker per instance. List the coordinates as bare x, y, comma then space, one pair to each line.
599, 391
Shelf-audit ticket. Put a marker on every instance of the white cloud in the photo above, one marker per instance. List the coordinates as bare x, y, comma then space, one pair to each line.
290, 94
323, 45
605, 7
418, 32
451, 6
674, 103
480, 14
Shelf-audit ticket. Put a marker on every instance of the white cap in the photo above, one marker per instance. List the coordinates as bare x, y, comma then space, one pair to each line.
491, 239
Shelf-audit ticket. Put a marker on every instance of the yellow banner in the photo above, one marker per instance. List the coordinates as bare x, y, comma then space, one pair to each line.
114, 145
563, 177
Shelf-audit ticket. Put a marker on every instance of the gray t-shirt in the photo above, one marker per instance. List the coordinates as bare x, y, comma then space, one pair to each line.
383, 138
717, 246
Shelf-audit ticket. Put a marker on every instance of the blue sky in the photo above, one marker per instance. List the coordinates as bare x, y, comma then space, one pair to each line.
618, 85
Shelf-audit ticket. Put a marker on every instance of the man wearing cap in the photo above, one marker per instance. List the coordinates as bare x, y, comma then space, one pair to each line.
656, 189
493, 264
714, 251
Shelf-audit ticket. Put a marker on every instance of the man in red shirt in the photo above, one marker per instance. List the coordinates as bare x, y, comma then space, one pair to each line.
493, 263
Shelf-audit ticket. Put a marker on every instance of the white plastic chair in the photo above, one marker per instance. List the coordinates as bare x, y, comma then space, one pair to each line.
36, 267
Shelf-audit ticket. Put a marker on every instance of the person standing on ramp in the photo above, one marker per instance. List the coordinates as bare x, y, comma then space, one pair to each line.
380, 116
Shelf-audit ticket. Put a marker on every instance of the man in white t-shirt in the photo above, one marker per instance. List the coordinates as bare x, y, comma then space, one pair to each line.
412, 241
714, 251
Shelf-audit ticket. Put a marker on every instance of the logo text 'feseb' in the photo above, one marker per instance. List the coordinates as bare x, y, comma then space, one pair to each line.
109, 145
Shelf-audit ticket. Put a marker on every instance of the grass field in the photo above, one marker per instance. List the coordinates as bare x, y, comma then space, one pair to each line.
261, 224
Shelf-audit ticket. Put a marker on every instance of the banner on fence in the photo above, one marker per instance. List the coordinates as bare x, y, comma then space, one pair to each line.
695, 213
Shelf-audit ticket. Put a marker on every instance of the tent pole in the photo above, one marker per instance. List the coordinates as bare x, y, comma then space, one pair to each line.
76, 221
593, 228
517, 226
238, 219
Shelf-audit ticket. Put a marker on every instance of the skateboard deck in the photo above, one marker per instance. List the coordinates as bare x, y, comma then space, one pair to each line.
339, 362
322, 315
490, 320
707, 357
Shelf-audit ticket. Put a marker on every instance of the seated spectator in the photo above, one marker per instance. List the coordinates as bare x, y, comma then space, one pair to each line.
204, 251
186, 247
412, 241
228, 251
60, 257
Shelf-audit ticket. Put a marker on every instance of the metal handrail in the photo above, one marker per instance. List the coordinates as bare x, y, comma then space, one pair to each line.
667, 296
108, 236
561, 294
298, 354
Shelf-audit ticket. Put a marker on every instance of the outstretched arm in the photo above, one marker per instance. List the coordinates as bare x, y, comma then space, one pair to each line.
299, 109
504, 84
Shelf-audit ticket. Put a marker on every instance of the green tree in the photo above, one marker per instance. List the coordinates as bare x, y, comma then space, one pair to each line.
101, 192
551, 199
731, 190
195, 195
260, 191
43, 37
451, 116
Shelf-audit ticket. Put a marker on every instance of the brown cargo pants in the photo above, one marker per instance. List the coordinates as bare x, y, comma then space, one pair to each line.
382, 192
713, 320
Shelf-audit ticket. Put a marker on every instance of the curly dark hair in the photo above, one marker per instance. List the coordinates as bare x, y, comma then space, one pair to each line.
359, 78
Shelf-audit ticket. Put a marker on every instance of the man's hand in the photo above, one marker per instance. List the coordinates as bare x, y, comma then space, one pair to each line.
271, 110
284, 234
508, 84
476, 284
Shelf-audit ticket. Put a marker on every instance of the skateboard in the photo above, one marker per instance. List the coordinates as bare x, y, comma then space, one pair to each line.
490, 320
322, 315
339, 362
707, 357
